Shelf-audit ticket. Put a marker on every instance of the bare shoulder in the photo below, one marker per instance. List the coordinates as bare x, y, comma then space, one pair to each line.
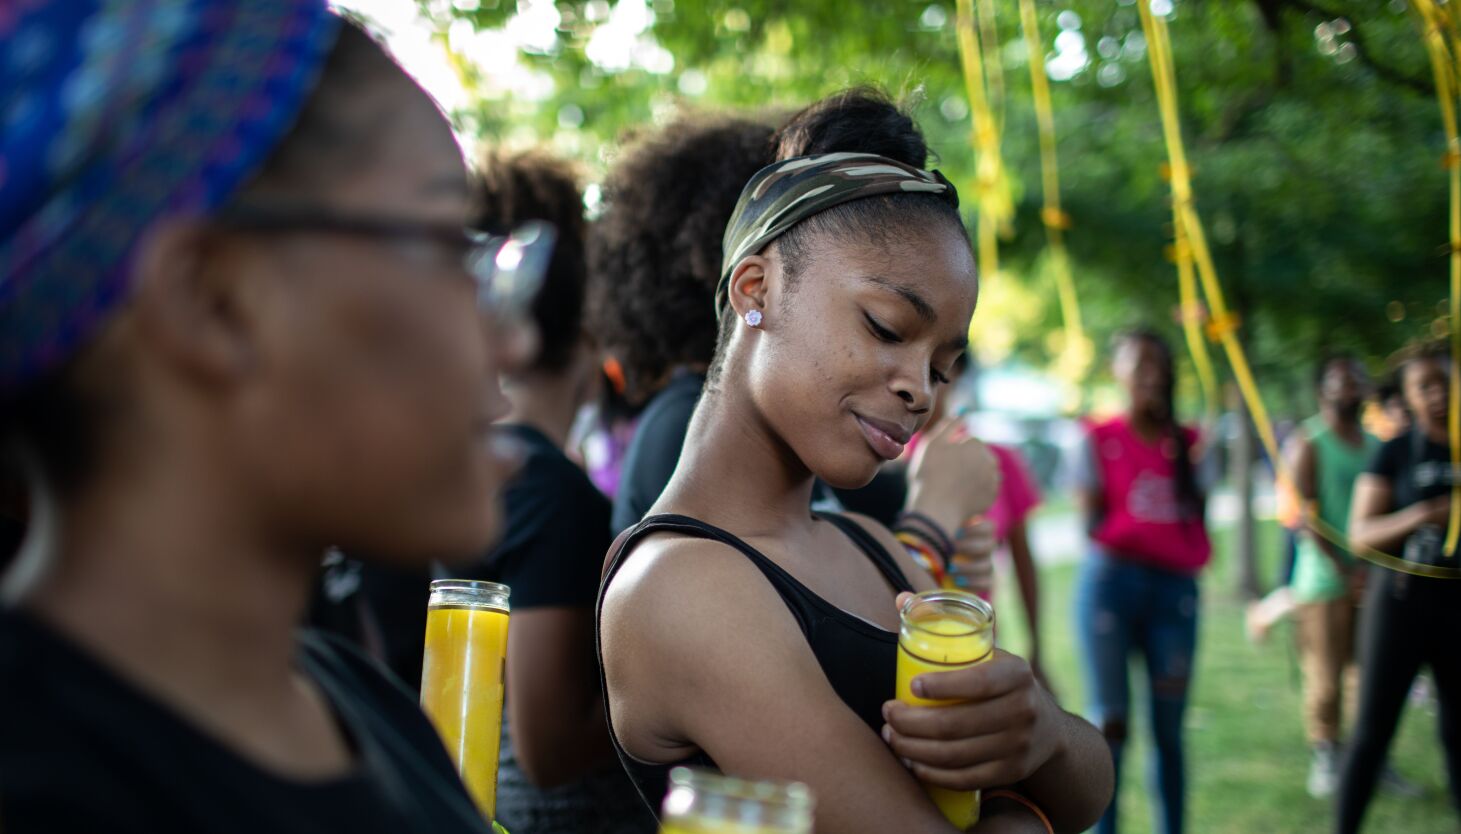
917, 576
667, 614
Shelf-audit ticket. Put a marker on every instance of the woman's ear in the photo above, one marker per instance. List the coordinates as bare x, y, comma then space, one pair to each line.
748, 285
190, 312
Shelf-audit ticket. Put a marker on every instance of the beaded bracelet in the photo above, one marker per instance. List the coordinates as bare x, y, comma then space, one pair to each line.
929, 529
924, 556
1025, 801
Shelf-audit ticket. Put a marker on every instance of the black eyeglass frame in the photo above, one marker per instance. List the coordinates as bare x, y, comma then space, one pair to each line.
507, 269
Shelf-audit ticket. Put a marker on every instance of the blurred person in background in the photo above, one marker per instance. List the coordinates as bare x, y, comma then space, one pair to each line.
1326, 454
1137, 593
1402, 506
240, 324
1018, 496
654, 256
1394, 413
559, 774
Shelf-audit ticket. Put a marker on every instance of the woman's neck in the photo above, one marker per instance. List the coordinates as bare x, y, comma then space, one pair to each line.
161, 578
1145, 426
1435, 432
547, 403
735, 472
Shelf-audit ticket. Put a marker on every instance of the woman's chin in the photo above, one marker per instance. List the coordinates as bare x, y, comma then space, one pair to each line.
848, 474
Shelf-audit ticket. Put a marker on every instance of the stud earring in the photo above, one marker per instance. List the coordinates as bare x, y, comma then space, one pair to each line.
753, 318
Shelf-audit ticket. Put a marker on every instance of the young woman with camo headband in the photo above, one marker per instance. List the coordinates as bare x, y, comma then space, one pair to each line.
740, 630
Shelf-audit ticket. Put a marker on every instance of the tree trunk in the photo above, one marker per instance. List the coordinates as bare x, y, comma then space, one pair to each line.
1240, 475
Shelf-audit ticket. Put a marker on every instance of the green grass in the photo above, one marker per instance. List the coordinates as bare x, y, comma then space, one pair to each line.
1247, 757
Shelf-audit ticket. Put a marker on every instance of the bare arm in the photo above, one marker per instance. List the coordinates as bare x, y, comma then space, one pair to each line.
683, 675
1303, 461
554, 704
1007, 731
1029, 579
1373, 525
1089, 494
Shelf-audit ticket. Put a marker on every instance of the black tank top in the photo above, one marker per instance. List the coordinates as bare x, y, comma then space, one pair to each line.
858, 658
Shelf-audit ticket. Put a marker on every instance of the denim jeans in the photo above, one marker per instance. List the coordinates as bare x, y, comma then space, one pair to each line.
1125, 608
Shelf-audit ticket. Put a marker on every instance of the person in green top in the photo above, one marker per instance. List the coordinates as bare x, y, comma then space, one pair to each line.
1328, 453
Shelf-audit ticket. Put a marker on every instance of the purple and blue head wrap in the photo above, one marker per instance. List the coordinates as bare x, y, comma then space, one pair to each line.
113, 114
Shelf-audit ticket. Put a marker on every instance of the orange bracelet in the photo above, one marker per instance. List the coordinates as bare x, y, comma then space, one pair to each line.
1025, 801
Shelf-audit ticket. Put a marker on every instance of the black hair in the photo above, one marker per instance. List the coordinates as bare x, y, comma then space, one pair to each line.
857, 120
516, 188
1190, 500
1328, 360
654, 254
58, 419
1389, 389
331, 137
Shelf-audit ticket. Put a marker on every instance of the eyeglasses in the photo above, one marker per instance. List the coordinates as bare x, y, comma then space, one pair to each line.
507, 269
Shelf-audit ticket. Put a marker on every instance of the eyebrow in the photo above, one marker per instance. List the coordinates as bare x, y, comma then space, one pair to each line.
920, 306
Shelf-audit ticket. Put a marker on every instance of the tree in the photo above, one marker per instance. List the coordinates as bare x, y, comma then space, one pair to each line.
1311, 125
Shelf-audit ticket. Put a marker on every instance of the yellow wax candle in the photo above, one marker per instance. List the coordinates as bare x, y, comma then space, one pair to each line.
704, 826
706, 802
944, 630
462, 682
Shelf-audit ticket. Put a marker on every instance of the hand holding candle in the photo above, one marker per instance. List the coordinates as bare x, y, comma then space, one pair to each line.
999, 729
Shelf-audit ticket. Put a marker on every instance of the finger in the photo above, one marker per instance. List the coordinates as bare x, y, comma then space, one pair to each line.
980, 777
951, 722
902, 599
1002, 673
957, 754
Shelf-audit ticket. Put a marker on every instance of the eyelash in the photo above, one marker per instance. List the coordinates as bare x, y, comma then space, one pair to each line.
886, 335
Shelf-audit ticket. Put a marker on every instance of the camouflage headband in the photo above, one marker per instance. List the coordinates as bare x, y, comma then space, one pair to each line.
785, 193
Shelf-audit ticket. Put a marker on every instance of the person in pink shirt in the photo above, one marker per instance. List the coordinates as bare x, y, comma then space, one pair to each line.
1018, 496
1137, 593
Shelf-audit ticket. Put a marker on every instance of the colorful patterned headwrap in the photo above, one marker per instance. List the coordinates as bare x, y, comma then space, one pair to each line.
785, 193
114, 113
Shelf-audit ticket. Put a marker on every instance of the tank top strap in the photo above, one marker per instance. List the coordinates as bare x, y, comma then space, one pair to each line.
874, 549
696, 529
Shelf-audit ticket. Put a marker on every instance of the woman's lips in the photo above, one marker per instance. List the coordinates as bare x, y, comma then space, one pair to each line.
886, 439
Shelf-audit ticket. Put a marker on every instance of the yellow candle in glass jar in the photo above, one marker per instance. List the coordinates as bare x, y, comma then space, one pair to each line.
705, 802
462, 678
939, 631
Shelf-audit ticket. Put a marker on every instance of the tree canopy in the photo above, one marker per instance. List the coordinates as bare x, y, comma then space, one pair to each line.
1312, 128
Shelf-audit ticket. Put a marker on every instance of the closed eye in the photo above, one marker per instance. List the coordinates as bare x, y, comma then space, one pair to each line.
939, 378
883, 333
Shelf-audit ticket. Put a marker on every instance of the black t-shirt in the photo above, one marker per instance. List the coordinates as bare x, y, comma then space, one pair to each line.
652, 454
81, 749
555, 532
1417, 468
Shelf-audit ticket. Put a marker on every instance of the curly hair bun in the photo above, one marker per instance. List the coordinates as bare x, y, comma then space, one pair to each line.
860, 120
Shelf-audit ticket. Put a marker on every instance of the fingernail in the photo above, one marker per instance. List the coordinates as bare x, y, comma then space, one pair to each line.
918, 688
907, 763
887, 734
887, 710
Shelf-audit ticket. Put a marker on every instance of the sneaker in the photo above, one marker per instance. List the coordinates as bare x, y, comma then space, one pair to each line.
1323, 772
1393, 783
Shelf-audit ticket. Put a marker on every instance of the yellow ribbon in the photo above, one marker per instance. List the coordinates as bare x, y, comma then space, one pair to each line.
983, 80
1076, 352
1191, 242
1436, 25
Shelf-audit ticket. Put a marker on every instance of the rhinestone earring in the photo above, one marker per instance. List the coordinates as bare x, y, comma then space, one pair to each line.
753, 318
